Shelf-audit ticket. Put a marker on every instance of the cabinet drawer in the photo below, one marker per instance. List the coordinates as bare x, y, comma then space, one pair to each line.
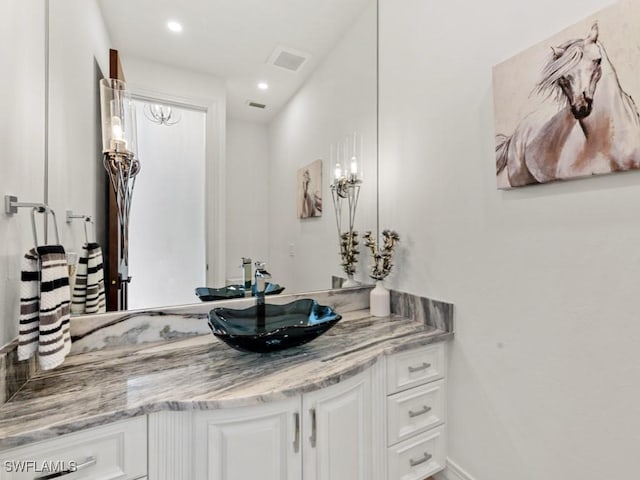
116, 451
415, 410
415, 367
418, 457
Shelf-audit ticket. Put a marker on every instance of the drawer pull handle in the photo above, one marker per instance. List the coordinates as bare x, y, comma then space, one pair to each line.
425, 458
89, 462
424, 410
312, 438
296, 441
424, 366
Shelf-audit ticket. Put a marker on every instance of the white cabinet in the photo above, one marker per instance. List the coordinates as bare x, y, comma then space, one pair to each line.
385, 423
416, 413
337, 431
244, 443
116, 451
322, 435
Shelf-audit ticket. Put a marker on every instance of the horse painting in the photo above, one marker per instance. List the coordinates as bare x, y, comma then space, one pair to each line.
595, 129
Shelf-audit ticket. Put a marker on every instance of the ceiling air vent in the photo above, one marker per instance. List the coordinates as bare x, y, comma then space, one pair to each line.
288, 58
256, 104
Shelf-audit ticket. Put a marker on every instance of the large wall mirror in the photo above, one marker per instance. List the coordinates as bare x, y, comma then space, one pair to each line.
221, 154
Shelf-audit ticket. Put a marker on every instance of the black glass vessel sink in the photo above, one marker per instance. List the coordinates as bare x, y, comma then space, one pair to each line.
234, 291
269, 328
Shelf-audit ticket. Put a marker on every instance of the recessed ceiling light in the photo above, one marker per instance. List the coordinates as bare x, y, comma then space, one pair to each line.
174, 26
263, 86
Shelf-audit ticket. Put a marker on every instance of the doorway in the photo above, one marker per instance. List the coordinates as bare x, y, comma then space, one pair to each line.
167, 232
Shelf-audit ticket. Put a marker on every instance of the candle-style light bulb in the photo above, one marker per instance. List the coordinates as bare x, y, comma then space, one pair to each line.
116, 128
118, 143
345, 153
361, 156
338, 172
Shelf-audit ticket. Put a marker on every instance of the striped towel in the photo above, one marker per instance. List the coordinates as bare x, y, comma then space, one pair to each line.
79, 299
95, 280
29, 306
88, 290
44, 318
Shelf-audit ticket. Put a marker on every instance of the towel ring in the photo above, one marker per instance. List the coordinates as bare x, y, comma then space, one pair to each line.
87, 219
46, 210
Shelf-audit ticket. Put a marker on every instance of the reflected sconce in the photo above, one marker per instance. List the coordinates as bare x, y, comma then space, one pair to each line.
120, 158
345, 189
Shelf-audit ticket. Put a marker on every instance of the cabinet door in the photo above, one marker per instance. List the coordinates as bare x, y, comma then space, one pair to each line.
337, 431
247, 443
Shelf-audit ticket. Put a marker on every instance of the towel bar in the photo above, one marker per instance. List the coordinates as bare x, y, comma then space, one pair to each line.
11, 206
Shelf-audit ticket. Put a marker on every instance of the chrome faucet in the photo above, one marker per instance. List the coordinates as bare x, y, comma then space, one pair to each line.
246, 276
261, 276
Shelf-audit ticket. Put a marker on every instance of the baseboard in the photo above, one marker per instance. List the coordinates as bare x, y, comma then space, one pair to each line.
453, 472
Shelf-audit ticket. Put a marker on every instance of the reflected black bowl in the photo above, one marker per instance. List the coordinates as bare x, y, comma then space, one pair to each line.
285, 326
208, 294
233, 291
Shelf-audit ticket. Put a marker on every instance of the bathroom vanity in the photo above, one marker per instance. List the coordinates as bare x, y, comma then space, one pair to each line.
364, 401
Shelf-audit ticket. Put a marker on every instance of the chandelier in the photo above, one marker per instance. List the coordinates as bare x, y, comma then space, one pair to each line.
161, 114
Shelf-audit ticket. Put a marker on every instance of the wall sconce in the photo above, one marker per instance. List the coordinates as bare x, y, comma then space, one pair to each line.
346, 188
120, 159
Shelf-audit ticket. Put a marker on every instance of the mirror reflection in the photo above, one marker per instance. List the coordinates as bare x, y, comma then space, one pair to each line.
236, 101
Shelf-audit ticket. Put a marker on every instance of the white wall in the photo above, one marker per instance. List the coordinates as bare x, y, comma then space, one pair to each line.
79, 57
545, 365
22, 50
247, 194
327, 108
160, 81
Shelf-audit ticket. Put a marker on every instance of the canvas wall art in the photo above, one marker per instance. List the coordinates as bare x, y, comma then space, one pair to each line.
564, 108
309, 190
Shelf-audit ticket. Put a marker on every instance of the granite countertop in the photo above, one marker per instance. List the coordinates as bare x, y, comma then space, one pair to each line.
197, 372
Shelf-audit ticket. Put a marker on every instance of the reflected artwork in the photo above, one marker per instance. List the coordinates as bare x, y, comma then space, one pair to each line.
309, 190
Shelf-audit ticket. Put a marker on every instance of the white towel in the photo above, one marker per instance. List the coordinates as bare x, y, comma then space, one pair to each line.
48, 329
